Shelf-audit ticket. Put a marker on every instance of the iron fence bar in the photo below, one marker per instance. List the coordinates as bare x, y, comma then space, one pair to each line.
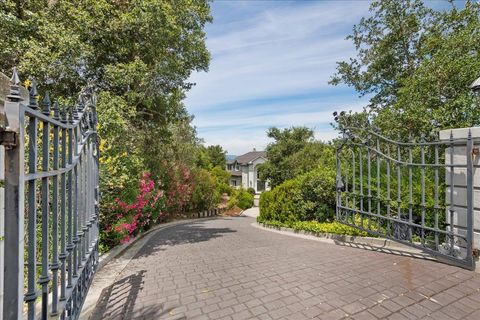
55, 262
347, 180
410, 193
84, 205
63, 205
413, 224
452, 185
379, 205
427, 165
70, 207
369, 172
75, 221
354, 191
29, 111
44, 277
360, 163
338, 182
464, 263
31, 294
437, 207
399, 183
422, 203
388, 199
406, 144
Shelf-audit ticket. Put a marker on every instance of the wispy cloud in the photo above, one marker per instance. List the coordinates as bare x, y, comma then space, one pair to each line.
271, 62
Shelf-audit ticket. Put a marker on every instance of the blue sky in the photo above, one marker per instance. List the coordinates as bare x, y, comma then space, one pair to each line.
271, 63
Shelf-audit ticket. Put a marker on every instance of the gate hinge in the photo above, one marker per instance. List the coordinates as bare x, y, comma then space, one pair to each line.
476, 253
8, 138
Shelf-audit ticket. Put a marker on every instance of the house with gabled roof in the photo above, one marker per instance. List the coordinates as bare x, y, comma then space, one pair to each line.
244, 171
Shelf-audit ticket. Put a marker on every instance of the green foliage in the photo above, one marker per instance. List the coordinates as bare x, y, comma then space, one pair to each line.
293, 152
242, 199
417, 64
221, 177
212, 156
205, 195
251, 191
138, 55
310, 196
315, 227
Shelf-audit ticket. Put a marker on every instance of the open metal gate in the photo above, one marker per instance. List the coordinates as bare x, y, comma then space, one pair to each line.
419, 193
51, 202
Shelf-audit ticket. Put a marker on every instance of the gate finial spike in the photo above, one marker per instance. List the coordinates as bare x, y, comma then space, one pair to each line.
33, 95
63, 114
46, 104
14, 87
56, 110
15, 79
70, 114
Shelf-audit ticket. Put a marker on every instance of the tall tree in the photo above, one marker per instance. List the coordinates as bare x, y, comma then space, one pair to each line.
212, 156
138, 54
416, 63
287, 143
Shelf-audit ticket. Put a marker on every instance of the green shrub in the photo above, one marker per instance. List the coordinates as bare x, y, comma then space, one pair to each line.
242, 199
205, 195
251, 191
315, 227
310, 196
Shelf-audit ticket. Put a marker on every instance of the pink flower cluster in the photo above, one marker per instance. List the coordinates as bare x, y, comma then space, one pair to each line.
145, 211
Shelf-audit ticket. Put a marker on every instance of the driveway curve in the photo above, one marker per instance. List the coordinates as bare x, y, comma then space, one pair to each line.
225, 269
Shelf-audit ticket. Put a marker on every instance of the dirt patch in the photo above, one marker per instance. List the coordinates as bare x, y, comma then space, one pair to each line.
233, 212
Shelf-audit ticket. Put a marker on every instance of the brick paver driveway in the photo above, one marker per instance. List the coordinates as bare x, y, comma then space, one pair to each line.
226, 269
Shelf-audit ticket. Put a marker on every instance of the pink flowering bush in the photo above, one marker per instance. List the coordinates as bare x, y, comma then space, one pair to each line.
129, 219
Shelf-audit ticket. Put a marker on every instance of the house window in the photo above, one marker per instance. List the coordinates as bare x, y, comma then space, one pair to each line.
230, 167
237, 167
234, 183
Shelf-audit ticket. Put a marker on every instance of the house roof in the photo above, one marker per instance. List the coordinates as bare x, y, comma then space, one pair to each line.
235, 173
250, 156
230, 158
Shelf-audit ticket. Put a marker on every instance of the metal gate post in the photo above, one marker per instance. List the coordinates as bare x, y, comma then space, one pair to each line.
14, 205
470, 228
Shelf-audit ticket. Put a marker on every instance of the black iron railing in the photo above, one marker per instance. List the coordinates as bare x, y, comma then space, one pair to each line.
51, 203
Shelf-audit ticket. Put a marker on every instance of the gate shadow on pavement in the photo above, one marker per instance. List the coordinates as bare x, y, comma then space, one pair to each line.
117, 300
179, 235
398, 252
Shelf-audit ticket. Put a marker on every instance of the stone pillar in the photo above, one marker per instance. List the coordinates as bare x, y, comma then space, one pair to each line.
459, 220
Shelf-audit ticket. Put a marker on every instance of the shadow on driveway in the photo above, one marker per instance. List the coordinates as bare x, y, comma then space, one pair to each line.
117, 300
194, 232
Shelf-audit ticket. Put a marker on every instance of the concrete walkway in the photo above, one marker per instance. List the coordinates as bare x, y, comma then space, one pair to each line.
252, 212
226, 269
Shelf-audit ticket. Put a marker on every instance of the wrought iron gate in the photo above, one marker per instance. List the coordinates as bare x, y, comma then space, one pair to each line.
51, 206
402, 190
